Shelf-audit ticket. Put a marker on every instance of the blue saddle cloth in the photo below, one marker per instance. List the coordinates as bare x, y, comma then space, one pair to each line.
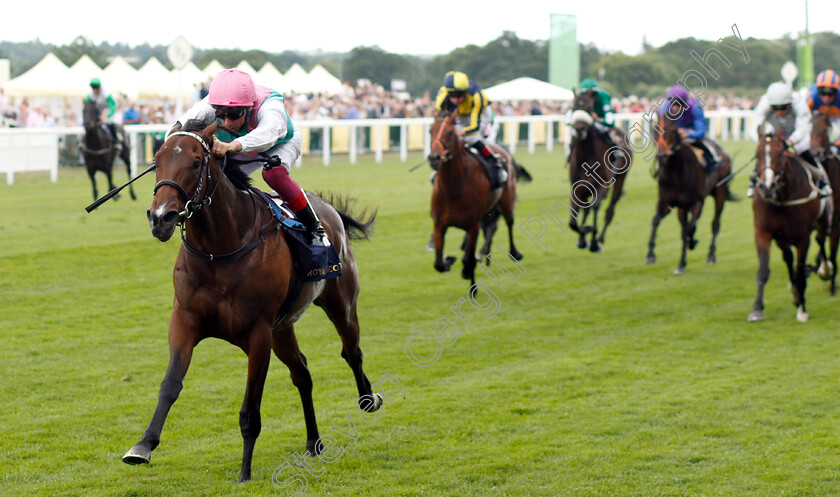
312, 262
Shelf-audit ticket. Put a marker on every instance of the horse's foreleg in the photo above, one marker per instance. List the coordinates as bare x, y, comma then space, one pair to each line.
286, 349
762, 245
615, 195
181, 346
835, 241
662, 210
686, 237
468, 273
441, 265
126, 157
250, 423
721, 193
594, 245
800, 279
583, 229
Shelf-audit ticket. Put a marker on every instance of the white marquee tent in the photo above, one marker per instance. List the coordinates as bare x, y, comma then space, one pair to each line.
48, 78
528, 89
51, 78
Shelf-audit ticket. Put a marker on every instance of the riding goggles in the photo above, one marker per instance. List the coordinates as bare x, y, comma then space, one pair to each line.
780, 107
457, 94
233, 113
828, 92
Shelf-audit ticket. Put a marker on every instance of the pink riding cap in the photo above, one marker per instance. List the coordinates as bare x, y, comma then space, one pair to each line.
232, 88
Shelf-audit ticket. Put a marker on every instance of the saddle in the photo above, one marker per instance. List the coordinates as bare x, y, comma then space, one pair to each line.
312, 262
701, 154
491, 170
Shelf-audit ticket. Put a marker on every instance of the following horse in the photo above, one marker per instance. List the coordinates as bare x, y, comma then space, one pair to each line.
827, 154
590, 182
461, 195
786, 208
99, 150
684, 183
235, 280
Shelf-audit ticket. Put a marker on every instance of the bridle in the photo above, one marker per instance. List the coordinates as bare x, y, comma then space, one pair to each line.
768, 188
446, 155
193, 205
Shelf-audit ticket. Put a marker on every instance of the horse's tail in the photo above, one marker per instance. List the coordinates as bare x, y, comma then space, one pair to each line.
522, 174
359, 226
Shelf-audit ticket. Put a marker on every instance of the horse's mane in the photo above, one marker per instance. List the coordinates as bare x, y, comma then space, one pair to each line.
236, 176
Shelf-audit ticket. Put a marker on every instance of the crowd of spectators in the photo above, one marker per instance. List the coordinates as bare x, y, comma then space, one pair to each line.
368, 102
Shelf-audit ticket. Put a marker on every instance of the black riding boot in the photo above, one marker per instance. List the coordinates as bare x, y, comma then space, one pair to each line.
497, 164
313, 225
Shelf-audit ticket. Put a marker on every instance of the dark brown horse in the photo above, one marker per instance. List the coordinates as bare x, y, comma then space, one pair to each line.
233, 274
821, 149
99, 151
786, 208
461, 195
684, 183
595, 166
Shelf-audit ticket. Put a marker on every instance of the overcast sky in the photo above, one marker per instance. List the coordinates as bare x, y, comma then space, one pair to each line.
422, 27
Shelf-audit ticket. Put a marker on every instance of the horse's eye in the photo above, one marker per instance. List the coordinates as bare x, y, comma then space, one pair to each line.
196, 163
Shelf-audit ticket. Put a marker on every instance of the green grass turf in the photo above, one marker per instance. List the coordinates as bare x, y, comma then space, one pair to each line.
598, 375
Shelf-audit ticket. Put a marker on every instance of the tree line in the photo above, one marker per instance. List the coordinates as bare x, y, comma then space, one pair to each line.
648, 73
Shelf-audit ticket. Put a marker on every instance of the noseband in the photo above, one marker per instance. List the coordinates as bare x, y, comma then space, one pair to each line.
446, 157
193, 205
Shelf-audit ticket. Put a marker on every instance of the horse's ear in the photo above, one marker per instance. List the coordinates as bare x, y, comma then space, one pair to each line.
209, 132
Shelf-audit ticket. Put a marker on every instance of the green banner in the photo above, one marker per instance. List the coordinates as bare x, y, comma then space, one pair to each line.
563, 52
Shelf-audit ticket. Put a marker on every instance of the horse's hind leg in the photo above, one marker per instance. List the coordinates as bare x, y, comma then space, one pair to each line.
686, 237
181, 346
507, 212
835, 241
594, 244
489, 225
250, 424
340, 307
285, 345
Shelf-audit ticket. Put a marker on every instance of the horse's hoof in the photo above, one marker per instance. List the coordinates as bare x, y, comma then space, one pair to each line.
441, 268
679, 270
314, 446
137, 455
801, 315
755, 316
581, 244
244, 478
517, 255
711, 259
368, 405
596, 248
692, 243
449, 261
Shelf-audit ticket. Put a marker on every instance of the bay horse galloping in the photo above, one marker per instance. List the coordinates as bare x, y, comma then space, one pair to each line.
235, 280
596, 165
684, 183
786, 208
99, 150
461, 194
827, 154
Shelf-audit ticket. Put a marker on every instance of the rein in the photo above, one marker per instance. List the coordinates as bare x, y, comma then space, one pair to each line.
193, 205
